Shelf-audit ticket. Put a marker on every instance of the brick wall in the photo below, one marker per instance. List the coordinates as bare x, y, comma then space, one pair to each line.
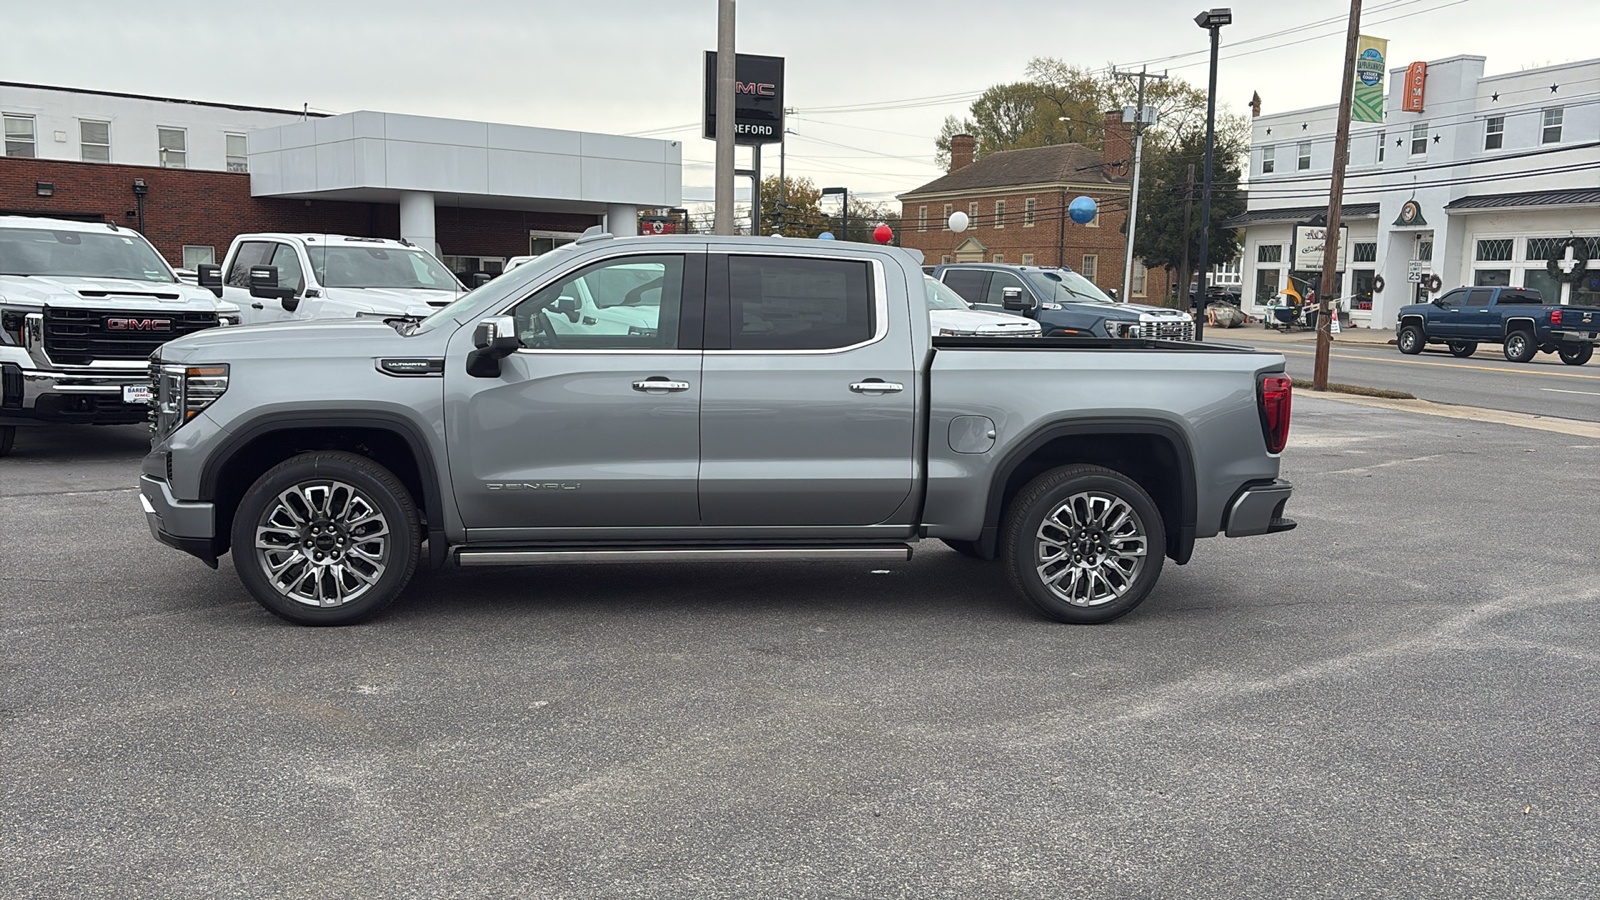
187, 206
1054, 239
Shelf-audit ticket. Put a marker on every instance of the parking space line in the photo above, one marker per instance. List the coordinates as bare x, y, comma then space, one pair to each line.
1560, 391
1424, 362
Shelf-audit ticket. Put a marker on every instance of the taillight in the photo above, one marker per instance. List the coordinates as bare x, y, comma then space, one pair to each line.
1555, 317
1276, 392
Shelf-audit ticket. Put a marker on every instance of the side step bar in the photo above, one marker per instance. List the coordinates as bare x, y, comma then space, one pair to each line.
516, 557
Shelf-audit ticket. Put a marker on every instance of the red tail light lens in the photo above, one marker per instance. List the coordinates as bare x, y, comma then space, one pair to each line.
1276, 393
1555, 317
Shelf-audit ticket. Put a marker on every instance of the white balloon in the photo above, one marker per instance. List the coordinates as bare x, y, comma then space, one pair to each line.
958, 221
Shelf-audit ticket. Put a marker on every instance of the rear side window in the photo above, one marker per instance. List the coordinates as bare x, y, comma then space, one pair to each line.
1479, 297
1524, 297
786, 303
967, 282
251, 253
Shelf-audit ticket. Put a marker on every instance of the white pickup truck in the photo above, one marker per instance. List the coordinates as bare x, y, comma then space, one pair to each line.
330, 276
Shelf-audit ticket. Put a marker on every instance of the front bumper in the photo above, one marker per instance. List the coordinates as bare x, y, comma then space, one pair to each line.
1258, 509
86, 395
189, 526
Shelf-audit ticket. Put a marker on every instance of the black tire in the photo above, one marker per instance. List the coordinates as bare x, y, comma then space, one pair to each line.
1078, 492
8, 439
1520, 346
1571, 354
1411, 340
375, 571
965, 548
1463, 349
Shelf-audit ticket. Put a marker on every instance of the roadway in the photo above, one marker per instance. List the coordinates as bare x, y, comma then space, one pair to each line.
1543, 387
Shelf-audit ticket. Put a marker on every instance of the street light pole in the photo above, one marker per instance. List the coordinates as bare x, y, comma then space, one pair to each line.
1212, 20
844, 211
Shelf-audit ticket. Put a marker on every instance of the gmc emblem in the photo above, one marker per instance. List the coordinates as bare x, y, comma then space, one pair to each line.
119, 323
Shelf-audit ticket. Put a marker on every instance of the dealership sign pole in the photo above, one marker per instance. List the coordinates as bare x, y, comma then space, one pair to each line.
722, 90
1332, 246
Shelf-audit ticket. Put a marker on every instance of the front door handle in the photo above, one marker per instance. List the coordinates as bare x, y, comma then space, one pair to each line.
660, 385
876, 386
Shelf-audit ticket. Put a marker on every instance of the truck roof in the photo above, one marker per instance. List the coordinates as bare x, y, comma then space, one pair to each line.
331, 239
61, 224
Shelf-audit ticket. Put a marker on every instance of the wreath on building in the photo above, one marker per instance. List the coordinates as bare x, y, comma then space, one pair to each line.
1580, 256
1431, 283
1377, 284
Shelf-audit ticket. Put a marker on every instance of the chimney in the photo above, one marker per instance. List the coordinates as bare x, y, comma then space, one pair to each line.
1116, 152
962, 147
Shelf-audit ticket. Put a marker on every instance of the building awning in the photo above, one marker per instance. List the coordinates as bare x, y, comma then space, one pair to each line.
1293, 214
1526, 200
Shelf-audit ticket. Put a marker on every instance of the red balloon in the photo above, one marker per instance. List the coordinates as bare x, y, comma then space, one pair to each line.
882, 234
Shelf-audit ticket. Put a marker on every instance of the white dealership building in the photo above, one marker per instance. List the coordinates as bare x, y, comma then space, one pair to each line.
1482, 185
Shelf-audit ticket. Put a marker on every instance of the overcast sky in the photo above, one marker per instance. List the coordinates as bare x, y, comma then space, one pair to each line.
632, 66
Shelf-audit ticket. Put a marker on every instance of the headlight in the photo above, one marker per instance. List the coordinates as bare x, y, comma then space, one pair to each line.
182, 392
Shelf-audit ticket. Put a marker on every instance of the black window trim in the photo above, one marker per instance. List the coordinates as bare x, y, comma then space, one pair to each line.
719, 308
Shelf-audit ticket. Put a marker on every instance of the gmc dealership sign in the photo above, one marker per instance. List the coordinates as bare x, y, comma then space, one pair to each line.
757, 98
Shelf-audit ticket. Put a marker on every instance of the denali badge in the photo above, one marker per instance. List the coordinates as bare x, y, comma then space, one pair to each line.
120, 323
533, 485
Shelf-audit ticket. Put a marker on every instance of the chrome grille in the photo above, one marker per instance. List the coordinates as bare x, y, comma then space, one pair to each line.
76, 337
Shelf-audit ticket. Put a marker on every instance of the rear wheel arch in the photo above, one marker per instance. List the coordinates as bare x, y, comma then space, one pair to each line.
1152, 452
391, 441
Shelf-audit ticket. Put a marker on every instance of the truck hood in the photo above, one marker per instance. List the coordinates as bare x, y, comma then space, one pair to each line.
1130, 312
392, 301
314, 339
980, 321
82, 292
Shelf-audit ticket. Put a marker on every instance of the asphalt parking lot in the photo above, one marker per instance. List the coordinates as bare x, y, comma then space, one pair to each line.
1397, 699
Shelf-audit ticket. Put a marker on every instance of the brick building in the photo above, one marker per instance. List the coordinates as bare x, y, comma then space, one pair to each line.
1016, 201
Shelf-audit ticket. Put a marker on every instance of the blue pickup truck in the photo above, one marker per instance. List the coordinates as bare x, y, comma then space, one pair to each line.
1520, 320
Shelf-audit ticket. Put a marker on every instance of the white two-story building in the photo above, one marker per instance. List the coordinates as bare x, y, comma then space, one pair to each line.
1482, 186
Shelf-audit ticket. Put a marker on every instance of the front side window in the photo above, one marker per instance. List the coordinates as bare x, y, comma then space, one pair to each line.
998, 285
1494, 133
1454, 298
251, 253
94, 140
355, 266
779, 303
20, 140
238, 160
631, 303
172, 145
1269, 160
39, 251
1303, 156
1419, 139
290, 274
1552, 126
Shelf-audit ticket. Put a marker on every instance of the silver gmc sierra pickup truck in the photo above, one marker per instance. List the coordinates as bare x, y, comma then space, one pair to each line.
702, 398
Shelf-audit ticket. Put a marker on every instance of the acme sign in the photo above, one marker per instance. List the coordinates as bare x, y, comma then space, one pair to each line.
123, 323
757, 98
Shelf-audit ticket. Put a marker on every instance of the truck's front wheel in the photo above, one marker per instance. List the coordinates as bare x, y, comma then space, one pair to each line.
1576, 354
326, 538
1083, 544
1410, 340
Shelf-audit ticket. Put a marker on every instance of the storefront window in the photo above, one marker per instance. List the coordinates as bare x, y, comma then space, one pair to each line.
1543, 282
1361, 288
1268, 283
1491, 277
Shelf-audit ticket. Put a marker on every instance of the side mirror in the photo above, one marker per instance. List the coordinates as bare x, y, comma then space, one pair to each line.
264, 284
1011, 298
479, 279
570, 306
209, 276
495, 339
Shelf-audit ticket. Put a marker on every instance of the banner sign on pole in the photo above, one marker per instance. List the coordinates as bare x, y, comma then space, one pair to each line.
1367, 101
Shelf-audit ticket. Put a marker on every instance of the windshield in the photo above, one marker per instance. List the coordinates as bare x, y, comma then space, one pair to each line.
379, 267
941, 297
1059, 285
123, 254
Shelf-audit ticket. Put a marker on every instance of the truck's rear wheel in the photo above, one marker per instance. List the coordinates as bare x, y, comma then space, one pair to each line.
1575, 354
8, 439
1520, 347
1083, 544
326, 538
1463, 349
1410, 340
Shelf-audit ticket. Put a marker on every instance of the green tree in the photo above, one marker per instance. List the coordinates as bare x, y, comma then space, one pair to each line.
800, 213
1159, 239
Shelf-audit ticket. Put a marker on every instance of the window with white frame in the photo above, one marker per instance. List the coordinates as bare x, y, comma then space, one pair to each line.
1027, 259
1303, 156
1269, 160
972, 214
1551, 134
1140, 275
946, 217
1028, 207
1091, 265
1494, 132
999, 257
94, 140
1364, 251
922, 218
1383, 138
1419, 139
20, 138
999, 214
196, 254
238, 158
1269, 253
172, 146
944, 260
1229, 273
1494, 250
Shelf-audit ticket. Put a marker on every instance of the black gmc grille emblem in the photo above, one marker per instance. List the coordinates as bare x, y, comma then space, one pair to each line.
123, 323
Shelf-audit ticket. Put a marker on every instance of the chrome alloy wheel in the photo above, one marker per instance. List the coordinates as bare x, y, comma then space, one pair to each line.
322, 543
1091, 549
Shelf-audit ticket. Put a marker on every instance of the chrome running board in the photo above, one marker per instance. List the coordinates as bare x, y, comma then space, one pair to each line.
509, 557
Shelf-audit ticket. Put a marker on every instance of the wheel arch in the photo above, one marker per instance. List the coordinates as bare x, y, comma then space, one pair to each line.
1153, 452
390, 440
1522, 323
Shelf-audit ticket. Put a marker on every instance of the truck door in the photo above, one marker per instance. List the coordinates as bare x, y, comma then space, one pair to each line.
809, 401
1444, 317
589, 426
236, 281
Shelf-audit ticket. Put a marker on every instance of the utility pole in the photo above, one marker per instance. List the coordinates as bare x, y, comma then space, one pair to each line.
783, 181
1183, 267
755, 190
723, 195
1138, 154
1330, 249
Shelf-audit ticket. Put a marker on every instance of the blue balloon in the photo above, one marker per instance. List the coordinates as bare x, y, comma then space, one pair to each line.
1082, 209
825, 236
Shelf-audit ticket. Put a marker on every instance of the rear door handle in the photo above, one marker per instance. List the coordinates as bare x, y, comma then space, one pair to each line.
660, 385
873, 386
